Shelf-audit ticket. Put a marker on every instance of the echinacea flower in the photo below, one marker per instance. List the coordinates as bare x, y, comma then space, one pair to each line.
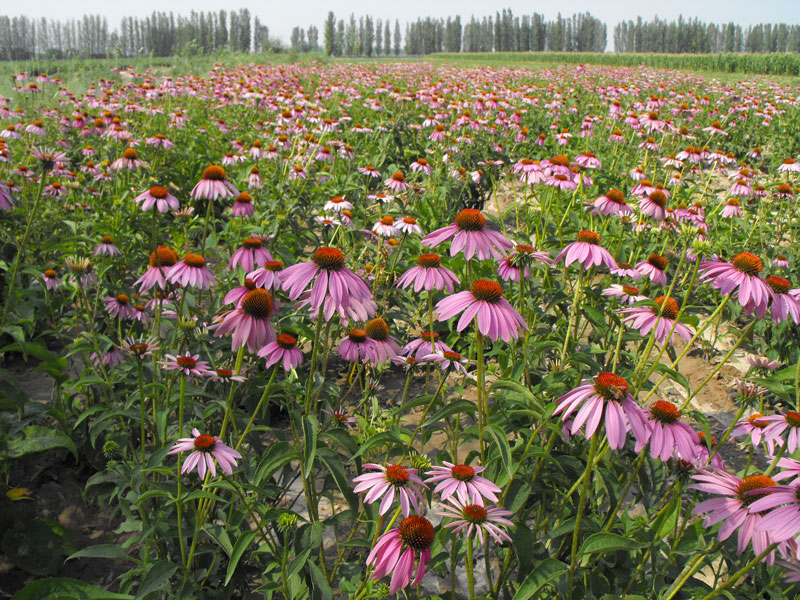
429, 274
106, 247
587, 251
470, 235
464, 482
653, 205
385, 227
654, 268
249, 321
784, 300
243, 205
268, 276
381, 346
662, 317
397, 182
227, 375
51, 280
284, 350
605, 396
159, 198
626, 294
669, 435
740, 275
214, 185
251, 253
754, 426
391, 480
336, 289
735, 507
422, 346
191, 272
204, 449
613, 203
408, 226
484, 301
477, 518
119, 306
187, 364
355, 346
398, 549
129, 161
161, 260
788, 422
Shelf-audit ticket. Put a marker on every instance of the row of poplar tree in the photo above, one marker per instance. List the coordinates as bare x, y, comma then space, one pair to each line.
165, 34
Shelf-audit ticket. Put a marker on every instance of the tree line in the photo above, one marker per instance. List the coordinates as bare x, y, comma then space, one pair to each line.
166, 34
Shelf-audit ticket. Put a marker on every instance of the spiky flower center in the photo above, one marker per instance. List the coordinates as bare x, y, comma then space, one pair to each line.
669, 307
158, 192
50, 273
130, 154
757, 420
328, 258
273, 265
357, 336
286, 341
657, 261
624, 265
416, 532
788, 161
253, 243
779, 285
429, 261
610, 386
470, 219
396, 475
665, 412
163, 257
377, 329
792, 418
224, 372
194, 260
387, 220
784, 188
733, 202
398, 177
257, 303
658, 197
753, 482
422, 162
122, 299
204, 443
485, 290
748, 263
560, 160
630, 290
449, 355
214, 173
588, 237
616, 196
409, 220
244, 198
474, 513
187, 362
462, 472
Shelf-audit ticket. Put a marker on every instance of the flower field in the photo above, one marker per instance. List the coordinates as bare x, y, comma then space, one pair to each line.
400, 330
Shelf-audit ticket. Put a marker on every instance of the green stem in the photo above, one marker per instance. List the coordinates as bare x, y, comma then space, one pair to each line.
470, 574
734, 579
229, 408
258, 406
573, 317
587, 480
313, 365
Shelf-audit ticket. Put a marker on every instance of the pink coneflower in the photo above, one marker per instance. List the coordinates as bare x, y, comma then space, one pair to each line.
762, 362
496, 318
106, 247
81, 271
397, 183
370, 171
130, 161
161, 261
421, 166
398, 549
249, 321
355, 347
608, 394
784, 191
626, 294
447, 360
335, 289
186, 364
140, 347
337, 204
624, 269
789, 468
587, 251
735, 507
464, 482
119, 306
741, 188
780, 424
789, 165
226, 375
654, 268
191, 272
51, 280
470, 234
213, 185
382, 198
381, 346
754, 426
268, 276
616, 137
385, 227
55, 190
159, 140
389, 481
243, 205
780, 262
429, 274
784, 300
478, 518
250, 254
235, 295
704, 452
653, 205
782, 522
36, 128
204, 449
732, 209
254, 180
613, 203
408, 226
740, 275
668, 435
562, 182
422, 346
644, 318
159, 198
284, 350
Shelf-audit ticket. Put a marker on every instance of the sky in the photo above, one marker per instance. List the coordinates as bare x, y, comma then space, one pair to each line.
281, 16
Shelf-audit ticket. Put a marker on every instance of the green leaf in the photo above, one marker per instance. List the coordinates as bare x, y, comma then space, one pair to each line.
501, 441
298, 563
452, 408
239, 548
547, 571
607, 542
65, 588
382, 438
101, 551
320, 589
38, 439
310, 426
157, 576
